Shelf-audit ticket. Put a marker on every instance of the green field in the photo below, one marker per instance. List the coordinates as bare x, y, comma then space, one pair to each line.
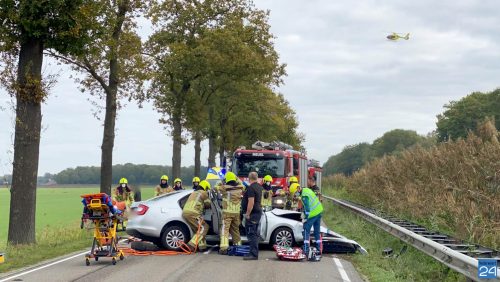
56, 207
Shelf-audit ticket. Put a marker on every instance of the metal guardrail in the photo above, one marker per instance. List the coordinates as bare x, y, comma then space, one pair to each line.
454, 259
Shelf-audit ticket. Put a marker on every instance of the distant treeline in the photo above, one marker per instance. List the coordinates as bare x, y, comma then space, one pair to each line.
353, 157
135, 174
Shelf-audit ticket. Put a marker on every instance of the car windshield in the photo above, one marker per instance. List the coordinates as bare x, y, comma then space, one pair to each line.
213, 182
263, 164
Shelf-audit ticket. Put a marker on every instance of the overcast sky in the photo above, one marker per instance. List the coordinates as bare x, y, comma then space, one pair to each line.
346, 81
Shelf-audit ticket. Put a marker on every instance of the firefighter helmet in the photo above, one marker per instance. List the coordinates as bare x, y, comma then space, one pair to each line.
268, 178
205, 185
196, 179
230, 176
177, 180
123, 181
293, 179
164, 177
294, 187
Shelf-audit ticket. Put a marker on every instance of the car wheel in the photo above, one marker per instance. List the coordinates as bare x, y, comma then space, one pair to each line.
282, 236
172, 235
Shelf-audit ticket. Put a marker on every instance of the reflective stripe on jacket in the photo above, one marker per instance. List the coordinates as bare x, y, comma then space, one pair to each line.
231, 198
196, 202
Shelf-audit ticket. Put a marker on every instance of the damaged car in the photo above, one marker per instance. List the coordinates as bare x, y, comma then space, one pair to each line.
159, 220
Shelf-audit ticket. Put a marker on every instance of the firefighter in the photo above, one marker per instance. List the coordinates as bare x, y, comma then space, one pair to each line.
313, 210
123, 193
291, 201
163, 187
231, 192
178, 184
193, 214
267, 193
196, 183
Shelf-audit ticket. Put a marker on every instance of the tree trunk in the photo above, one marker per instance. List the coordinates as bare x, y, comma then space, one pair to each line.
222, 143
222, 157
108, 142
211, 138
177, 146
197, 153
26, 143
176, 119
212, 150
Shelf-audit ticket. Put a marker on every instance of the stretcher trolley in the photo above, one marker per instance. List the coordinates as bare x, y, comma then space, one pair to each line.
99, 209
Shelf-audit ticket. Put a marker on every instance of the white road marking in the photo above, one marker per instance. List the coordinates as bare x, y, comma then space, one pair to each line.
42, 267
343, 274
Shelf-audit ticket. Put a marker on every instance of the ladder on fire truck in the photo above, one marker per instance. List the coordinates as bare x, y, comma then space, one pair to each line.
274, 145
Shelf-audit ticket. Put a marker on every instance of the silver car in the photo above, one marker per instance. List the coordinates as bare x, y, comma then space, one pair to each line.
160, 220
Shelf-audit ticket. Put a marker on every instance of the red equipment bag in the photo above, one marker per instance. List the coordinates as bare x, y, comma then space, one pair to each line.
287, 253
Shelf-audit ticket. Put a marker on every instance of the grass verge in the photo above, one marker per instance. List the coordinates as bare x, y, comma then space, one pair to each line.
51, 243
412, 265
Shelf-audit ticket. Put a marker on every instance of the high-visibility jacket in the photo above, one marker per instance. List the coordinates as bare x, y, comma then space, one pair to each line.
125, 196
267, 198
196, 202
312, 205
231, 198
160, 191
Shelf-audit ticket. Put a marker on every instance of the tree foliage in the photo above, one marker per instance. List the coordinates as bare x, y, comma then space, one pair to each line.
462, 116
112, 64
395, 141
354, 157
349, 160
207, 53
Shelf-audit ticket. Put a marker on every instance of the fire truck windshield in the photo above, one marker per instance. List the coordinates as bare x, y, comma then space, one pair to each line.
263, 164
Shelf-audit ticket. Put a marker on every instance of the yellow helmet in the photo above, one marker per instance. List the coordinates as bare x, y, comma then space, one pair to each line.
268, 178
177, 180
293, 179
164, 177
196, 179
294, 187
123, 181
230, 176
205, 185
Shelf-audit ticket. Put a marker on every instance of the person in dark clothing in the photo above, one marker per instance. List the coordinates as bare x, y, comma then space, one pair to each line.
311, 183
252, 211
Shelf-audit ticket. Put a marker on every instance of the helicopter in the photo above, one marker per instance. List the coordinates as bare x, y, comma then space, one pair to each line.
396, 36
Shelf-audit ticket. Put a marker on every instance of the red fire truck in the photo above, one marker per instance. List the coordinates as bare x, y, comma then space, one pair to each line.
315, 169
277, 159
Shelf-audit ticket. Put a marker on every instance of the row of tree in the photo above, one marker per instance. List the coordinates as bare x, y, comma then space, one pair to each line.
210, 68
459, 119
135, 174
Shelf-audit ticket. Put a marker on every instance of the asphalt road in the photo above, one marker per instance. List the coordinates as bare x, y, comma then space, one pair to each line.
198, 267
